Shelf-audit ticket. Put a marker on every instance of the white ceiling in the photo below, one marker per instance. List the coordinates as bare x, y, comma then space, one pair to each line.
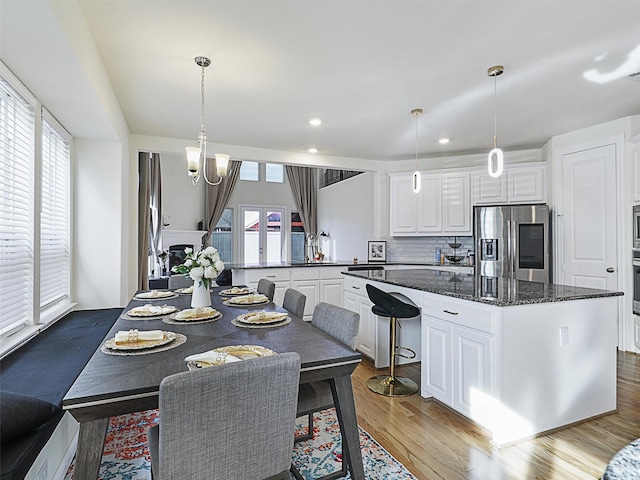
361, 66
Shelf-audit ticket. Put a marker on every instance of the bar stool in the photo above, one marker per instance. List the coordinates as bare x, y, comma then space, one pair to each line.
386, 305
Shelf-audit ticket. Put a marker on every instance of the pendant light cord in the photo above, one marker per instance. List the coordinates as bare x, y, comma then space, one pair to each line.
202, 127
495, 110
417, 139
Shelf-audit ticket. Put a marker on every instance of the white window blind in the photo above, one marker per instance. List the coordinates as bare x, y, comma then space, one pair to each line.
17, 140
55, 250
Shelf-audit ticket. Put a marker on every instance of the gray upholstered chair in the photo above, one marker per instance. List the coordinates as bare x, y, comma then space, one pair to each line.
294, 302
227, 422
180, 281
341, 324
267, 287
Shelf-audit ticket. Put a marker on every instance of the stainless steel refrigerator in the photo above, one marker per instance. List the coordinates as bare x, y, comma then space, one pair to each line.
513, 241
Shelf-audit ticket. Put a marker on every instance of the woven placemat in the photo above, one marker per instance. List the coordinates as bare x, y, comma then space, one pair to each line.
189, 322
155, 299
180, 339
268, 325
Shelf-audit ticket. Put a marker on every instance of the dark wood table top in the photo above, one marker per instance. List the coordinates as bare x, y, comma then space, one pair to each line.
108, 382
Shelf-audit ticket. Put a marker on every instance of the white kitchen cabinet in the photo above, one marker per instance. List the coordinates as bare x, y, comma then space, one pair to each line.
442, 207
280, 276
636, 169
307, 281
356, 300
437, 376
456, 200
518, 184
331, 285
457, 341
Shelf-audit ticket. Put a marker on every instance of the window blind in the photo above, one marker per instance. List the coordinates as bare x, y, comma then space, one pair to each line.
55, 250
17, 140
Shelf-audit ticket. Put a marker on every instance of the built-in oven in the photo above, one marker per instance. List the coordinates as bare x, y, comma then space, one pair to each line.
636, 281
636, 227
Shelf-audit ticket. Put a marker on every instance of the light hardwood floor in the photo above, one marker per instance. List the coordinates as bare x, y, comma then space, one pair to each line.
434, 442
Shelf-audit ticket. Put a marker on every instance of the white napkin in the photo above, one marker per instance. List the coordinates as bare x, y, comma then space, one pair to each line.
250, 299
126, 336
264, 316
212, 357
154, 294
152, 309
236, 290
187, 289
195, 313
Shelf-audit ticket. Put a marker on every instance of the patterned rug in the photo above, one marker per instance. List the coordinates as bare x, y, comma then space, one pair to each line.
126, 456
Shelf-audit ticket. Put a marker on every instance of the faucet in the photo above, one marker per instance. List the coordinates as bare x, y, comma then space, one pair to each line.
312, 247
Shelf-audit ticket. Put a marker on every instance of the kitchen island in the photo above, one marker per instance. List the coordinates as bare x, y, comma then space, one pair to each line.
518, 358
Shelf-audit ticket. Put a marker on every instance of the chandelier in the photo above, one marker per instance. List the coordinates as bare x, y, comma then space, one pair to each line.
197, 156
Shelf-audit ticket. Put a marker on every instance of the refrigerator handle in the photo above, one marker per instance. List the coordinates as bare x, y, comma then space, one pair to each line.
507, 267
514, 248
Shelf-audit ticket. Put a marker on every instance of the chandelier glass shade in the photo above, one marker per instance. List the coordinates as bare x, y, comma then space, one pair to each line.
197, 156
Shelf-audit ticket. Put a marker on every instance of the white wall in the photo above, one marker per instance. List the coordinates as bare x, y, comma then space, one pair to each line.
182, 201
346, 211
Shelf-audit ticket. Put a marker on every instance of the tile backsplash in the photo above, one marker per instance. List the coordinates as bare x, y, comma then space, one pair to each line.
423, 249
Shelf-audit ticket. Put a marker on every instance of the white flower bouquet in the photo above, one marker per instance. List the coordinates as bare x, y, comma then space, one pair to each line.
204, 265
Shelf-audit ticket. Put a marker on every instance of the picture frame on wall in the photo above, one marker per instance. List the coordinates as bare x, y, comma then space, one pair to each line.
377, 251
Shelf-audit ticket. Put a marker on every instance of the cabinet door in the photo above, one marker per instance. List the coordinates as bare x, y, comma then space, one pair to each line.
488, 190
430, 205
472, 373
526, 185
636, 171
403, 203
367, 330
436, 371
311, 290
457, 203
331, 292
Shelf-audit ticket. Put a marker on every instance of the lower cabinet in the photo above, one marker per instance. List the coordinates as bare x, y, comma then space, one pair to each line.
458, 352
355, 299
318, 284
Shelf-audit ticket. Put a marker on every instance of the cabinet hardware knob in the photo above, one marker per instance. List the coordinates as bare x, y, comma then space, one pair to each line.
354, 287
611, 270
271, 276
450, 312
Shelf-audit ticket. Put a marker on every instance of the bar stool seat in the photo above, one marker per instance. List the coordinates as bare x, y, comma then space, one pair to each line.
386, 305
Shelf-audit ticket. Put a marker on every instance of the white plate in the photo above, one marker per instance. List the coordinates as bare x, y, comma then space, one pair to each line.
152, 312
205, 314
257, 299
154, 295
236, 291
140, 344
262, 318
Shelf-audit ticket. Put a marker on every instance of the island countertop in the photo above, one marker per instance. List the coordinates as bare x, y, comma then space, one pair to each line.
500, 292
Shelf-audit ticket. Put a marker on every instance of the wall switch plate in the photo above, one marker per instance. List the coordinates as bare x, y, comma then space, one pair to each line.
564, 336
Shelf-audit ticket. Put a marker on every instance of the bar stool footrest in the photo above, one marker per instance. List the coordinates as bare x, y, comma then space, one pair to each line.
412, 353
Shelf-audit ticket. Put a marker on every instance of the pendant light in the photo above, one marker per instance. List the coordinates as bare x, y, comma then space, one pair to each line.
417, 178
197, 156
495, 160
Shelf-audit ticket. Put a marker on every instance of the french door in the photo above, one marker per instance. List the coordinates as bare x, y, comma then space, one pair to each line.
262, 238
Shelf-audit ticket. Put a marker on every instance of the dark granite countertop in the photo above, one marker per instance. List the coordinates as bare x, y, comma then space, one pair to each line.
499, 292
345, 263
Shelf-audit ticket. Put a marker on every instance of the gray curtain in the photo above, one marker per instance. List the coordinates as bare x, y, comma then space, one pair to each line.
155, 207
143, 220
217, 196
304, 188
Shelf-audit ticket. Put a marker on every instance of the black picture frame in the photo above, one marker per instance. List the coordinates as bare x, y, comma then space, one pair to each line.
376, 251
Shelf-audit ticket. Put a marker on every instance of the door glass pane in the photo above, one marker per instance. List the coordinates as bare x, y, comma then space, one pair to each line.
274, 237
531, 245
297, 238
251, 236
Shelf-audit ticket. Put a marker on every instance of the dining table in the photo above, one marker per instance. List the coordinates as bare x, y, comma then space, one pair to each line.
117, 382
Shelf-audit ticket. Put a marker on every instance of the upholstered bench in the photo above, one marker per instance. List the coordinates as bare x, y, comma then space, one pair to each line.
37, 435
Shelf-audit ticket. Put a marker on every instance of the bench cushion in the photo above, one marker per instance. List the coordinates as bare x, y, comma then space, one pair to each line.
21, 414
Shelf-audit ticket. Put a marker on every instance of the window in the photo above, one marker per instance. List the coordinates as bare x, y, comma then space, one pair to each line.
262, 239
35, 251
17, 133
297, 238
250, 171
274, 173
55, 248
221, 237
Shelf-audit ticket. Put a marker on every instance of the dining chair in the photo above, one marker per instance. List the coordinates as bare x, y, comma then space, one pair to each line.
226, 422
267, 287
294, 302
180, 281
341, 324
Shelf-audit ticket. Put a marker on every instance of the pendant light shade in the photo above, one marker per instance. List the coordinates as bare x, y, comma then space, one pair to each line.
416, 181
197, 156
495, 160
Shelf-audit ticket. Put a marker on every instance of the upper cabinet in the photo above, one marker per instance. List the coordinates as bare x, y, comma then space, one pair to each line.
518, 184
636, 169
442, 207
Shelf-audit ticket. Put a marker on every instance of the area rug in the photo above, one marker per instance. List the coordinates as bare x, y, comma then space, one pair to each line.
126, 456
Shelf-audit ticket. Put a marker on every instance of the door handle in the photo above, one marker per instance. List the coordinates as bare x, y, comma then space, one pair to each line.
611, 270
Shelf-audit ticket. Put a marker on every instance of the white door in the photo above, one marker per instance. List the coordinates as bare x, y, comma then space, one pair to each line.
262, 234
588, 224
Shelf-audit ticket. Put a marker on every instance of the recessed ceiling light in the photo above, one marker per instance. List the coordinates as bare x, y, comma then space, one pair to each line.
315, 122
313, 150
443, 141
